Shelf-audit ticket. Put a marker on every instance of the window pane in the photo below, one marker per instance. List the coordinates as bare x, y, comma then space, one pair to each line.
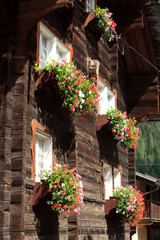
107, 98
43, 49
110, 99
103, 98
43, 54
108, 182
44, 42
60, 54
117, 178
61, 51
90, 5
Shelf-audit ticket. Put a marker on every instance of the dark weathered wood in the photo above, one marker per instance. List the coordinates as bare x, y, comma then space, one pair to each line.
76, 143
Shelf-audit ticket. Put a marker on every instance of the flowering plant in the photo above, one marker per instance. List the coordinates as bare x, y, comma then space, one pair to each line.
123, 128
106, 23
130, 204
67, 194
78, 92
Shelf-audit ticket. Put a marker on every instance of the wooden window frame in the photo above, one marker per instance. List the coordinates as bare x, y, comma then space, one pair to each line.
36, 125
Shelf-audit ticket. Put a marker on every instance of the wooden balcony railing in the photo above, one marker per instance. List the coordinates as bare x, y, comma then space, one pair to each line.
152, 210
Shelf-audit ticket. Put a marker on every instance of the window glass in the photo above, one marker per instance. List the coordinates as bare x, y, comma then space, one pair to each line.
110, 99
107, 98
62, 52
108, 181
59, 54
117, 178
103, 98
43, 47
90, 5
43, 154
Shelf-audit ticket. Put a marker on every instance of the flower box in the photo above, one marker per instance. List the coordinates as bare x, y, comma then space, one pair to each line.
65, 187
105, 23
42, 77
123, 129
78, 92
110, 204
102, 120
89, 18
41, 190
130, 205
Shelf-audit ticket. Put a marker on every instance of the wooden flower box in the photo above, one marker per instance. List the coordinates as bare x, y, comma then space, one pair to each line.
41, 190
110, 204
42, 77
102, 120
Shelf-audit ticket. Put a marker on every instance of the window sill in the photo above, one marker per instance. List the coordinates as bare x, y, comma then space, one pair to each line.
110, 204
102, 120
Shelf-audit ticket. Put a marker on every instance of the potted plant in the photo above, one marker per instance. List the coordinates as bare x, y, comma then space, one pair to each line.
123, 128
78, 92
130, 204
106, 23
66, 189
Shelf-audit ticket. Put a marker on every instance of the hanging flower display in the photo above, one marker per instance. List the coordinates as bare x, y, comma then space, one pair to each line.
66, 190
78, 92
130, 204
105, 23
123, 128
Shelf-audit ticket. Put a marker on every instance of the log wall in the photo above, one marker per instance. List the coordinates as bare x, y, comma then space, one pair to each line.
76, 143
85, 148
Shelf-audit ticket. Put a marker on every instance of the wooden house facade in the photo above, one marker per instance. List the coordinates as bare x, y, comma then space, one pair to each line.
29, 112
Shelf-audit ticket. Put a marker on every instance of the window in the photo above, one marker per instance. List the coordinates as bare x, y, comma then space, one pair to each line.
112, 179
107, 98
90, 5
50, 47
43, 154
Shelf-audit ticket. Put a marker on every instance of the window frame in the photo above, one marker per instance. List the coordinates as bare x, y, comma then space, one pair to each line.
119, 167
36, 126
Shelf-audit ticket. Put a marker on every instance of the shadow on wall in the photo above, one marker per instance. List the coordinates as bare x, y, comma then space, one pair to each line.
46, 220
108, 147
115, 229
55, 118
